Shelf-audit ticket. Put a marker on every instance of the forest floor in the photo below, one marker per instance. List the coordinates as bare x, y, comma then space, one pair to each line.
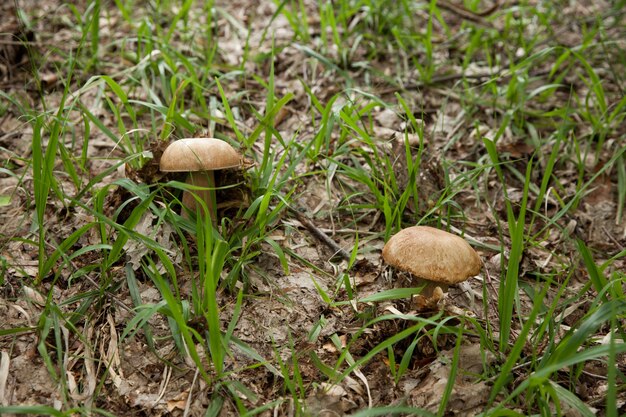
501, 122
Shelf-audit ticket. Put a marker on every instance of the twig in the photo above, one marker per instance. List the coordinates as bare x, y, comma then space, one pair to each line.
319, 235
476, 17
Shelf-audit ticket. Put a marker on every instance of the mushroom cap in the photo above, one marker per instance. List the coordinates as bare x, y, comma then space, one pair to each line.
432, 254
199, 154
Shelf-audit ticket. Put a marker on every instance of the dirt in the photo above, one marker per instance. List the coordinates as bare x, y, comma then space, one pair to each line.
281, 309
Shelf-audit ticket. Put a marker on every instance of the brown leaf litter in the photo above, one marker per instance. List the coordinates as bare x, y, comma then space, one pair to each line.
282, 307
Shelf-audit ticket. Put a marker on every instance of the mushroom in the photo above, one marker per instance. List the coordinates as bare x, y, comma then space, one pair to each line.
435, 258
200, 157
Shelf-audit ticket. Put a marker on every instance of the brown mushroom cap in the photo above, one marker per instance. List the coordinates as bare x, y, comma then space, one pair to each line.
432, 254
199, 154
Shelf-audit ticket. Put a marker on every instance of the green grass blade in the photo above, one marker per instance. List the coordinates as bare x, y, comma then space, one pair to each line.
598, 279
515, 352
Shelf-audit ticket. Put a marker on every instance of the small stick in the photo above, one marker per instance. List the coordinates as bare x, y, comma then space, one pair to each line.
477, 17
321, 236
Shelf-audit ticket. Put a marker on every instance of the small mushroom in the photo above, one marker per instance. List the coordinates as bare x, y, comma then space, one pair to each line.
200, 157
435, 258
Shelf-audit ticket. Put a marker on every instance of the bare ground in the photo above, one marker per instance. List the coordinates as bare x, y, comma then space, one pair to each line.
280, 310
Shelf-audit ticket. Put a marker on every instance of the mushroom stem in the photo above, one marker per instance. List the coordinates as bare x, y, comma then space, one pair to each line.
206, 180
430, 287
431, 294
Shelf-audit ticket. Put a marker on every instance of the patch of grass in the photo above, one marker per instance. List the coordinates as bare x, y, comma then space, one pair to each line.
513, 114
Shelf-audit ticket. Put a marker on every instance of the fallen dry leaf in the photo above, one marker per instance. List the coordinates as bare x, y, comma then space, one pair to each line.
468, 395
4, 376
